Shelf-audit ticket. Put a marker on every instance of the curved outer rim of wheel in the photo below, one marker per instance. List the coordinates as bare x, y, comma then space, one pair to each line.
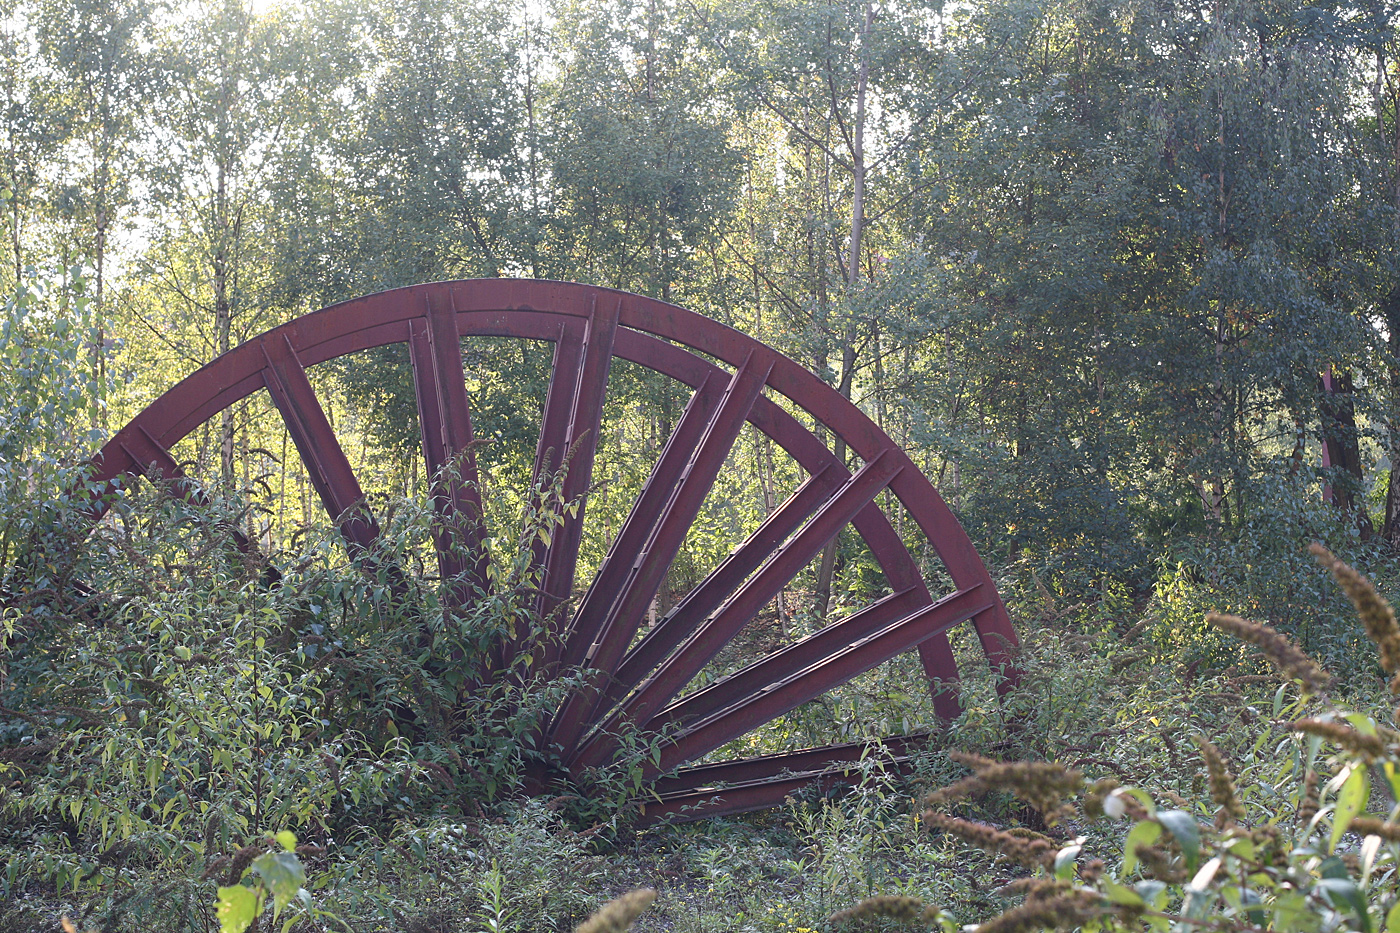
590, 326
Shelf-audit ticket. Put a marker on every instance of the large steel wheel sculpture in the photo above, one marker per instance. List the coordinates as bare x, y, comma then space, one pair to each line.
631, 683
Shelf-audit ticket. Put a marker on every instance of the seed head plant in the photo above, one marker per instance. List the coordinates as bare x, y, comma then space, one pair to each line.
1292, 847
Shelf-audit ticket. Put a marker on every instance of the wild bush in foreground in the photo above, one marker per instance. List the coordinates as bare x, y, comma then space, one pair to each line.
1304, 842
179, 706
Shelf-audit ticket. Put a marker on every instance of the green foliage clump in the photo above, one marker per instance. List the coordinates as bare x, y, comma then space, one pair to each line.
53, 404
1287, 844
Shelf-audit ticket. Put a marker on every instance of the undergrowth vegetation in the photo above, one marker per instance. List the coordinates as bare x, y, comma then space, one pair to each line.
195, 736
164, 725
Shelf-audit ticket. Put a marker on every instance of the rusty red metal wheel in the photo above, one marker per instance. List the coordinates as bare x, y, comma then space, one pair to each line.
629, 681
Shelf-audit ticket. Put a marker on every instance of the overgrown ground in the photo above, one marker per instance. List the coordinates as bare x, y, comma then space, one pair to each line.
157, 728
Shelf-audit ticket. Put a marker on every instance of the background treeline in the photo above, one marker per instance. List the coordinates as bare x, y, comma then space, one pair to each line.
1123, 277
1091, 260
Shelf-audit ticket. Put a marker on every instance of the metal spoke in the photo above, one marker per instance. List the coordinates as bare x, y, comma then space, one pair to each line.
680, 668
763, 781
682, 621
660, 551
310, 429
789, 693
444, 417
585, 418
822, 647
641, 520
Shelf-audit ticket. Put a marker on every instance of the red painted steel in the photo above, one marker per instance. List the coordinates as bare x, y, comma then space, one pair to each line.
771, 701
585, 418
760, 767
589, 327
326, 464
660, 551
680, 668
765, 781
821, 647
444, 416
682, 621
602, 745
641, 520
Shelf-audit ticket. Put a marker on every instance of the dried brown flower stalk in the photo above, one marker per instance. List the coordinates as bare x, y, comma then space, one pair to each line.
1370, 826
1044, 785
1369, 747
240, 862
897, 907
1222, 783
1064, 911
1373, 609
618, 914
1159, 863
1037, 886
1032, 853
1286, 656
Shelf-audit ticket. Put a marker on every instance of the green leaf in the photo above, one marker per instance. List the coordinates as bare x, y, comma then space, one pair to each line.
1343, 894
1186, 830
1064, 861
1241, 847
287, 840
1392, 918
1333, 867
283, 875
1152, 891
236, 908
1293, 914
1122, 894
1144, 833
1392, 777
1353, 796
1314, 744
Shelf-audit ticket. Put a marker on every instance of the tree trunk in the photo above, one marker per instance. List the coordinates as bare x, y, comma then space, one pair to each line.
827, 568
1341, 450
223, 321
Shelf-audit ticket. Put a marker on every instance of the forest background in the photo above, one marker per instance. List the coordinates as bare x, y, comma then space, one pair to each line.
1124, 278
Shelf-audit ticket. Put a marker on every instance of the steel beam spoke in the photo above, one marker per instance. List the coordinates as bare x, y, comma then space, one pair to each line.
740, 770
443, 410
651, 565
585, 417
755, 783
684, 806
682, 621
641, 521
941, 671
310, 429
601, 746
679, 669
558, 404
819, 648
787, 694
